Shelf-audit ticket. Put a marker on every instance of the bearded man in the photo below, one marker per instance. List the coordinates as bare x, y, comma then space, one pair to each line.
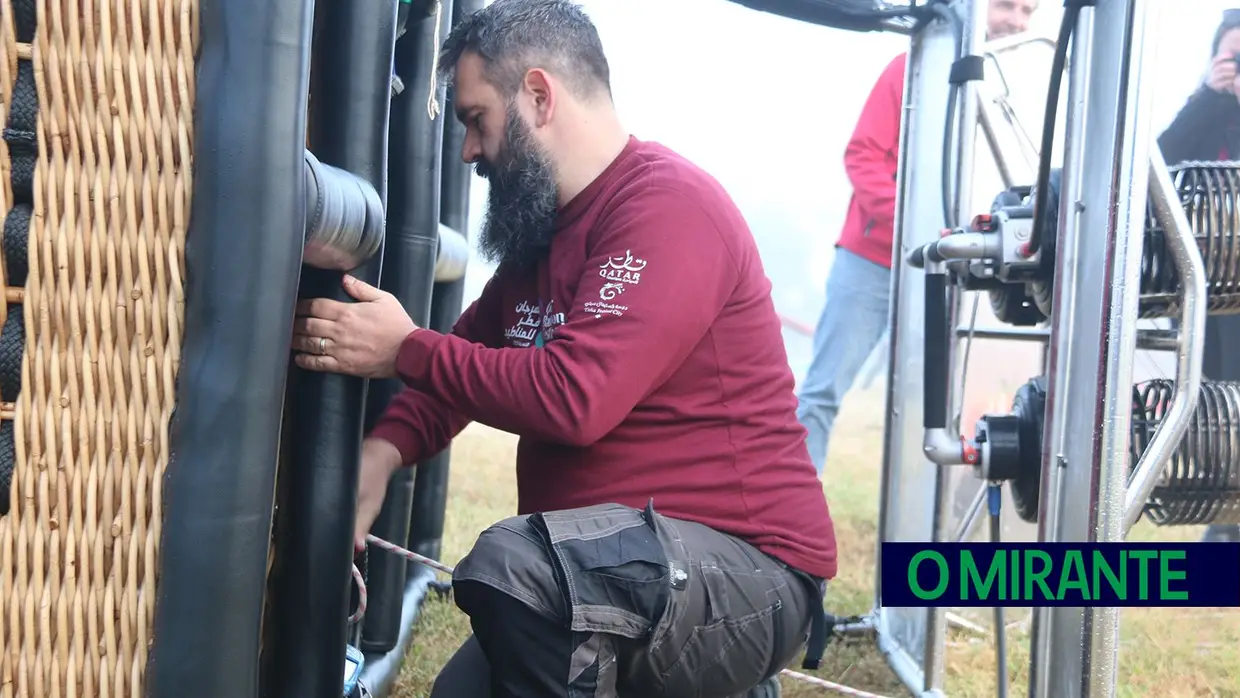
672, 537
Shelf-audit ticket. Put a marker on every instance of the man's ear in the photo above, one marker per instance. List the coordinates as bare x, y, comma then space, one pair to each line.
540, 89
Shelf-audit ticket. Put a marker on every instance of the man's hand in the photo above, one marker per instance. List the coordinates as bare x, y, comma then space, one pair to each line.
379, 460
1223, 74
358, 339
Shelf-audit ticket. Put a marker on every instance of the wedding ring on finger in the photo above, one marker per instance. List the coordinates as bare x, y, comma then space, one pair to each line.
323, 346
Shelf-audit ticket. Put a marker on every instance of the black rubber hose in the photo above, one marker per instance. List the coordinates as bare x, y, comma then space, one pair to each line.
949, 120
850, 15
1041, 206
409, 274
350, 97
242, 258
454, 194
937, 351
430, 491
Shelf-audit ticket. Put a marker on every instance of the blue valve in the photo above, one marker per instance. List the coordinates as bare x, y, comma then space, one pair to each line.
994, 498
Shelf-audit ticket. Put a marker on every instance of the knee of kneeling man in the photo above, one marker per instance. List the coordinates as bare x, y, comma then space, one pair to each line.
510, 559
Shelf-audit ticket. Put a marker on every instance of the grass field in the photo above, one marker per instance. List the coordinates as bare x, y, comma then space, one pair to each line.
1165, 653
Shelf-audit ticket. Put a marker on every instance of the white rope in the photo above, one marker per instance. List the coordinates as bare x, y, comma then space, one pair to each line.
830, 686
432, 100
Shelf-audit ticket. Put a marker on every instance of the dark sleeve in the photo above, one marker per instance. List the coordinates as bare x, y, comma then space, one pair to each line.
418, 424
648, 293
1199, 131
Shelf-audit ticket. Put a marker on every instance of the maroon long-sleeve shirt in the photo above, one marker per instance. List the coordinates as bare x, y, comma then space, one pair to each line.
642, 359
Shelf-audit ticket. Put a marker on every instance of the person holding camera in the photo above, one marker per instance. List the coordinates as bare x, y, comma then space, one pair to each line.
1207, 128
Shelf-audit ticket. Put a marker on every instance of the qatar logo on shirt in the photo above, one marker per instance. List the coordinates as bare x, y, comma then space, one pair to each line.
619, 271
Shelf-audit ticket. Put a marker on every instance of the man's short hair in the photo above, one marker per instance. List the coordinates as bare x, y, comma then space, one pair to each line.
514, 36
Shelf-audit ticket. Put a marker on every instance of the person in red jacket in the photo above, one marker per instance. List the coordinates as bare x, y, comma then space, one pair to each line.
855, 316
672, 537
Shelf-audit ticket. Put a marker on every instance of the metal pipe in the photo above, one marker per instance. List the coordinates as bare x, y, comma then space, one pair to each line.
409, 274
904, 667
1063, 333
382, 670
1165, 201
1147, 340
897, 27
1014, 334
943, 447
974, 36
971, 517
987, 125
1125, 225
965, 246
974, 17
892, 442
906, 512
1092, 363
350, 94
242, 266
991, 52
1014, 41
1158, 340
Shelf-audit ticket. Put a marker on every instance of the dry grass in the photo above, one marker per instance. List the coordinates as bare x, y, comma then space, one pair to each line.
1166, 653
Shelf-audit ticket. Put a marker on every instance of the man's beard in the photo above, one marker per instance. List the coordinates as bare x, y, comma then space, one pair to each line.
523, 200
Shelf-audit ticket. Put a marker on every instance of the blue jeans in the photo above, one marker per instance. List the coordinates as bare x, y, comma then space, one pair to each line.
853, 321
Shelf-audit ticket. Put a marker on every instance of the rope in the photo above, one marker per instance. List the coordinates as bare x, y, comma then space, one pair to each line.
408, 555
361, 596
830, 686
432, 100
399, 552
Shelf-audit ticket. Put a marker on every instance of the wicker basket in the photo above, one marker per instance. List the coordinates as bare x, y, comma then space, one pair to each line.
101, 315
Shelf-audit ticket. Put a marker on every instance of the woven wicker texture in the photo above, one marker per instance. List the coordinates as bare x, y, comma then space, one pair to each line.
102, 318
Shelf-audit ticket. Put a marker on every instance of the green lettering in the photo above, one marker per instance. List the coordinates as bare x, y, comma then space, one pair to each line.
1015, 576
1037, 577
1143, 558
972, 576
916, 587
1167, 575
1102, 568
1072, 576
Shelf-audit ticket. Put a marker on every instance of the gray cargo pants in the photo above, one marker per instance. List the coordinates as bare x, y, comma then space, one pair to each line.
610, 601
